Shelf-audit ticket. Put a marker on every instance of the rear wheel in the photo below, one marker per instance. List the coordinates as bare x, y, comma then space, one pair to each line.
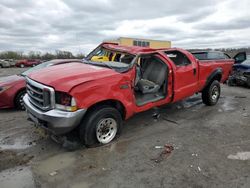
19, 100
22, 65
211, 94
100, 126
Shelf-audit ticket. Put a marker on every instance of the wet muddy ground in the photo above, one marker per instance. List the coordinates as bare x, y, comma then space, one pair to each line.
190, 145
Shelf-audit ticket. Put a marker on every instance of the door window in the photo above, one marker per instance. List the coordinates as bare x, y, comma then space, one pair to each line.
178, 58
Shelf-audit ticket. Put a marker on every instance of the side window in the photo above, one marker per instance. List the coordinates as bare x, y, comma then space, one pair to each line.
223, 56
217, 55
178, 58
213, 55
201, 55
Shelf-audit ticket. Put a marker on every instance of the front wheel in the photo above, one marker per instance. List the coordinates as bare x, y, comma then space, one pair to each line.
211, 94
19, 100
100, 126
22, 65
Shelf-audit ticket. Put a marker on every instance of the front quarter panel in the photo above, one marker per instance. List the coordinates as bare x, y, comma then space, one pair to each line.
117, 87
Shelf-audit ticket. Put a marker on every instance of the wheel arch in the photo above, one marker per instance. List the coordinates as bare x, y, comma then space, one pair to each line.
215, 75
18, 91
110, 102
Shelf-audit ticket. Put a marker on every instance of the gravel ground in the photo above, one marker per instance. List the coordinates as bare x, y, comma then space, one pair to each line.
190, 145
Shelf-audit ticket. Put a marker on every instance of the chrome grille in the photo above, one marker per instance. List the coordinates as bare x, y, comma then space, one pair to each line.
41, 96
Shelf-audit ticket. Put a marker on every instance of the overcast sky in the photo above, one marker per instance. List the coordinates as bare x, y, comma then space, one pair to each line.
79, 25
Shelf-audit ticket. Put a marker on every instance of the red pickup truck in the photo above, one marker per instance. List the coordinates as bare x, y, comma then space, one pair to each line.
28, 63
96, 96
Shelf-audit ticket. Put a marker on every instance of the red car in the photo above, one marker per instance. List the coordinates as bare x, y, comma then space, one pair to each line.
27, 63
95, 97
13, 88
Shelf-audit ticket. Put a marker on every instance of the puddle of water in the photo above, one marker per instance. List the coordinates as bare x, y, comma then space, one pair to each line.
55, 163
240, 156
228, 105
16, 144
120, 147
20, 177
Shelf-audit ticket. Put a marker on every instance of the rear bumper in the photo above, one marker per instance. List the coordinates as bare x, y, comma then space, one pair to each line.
55, 121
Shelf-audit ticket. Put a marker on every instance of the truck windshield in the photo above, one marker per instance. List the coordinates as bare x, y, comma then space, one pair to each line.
116, 60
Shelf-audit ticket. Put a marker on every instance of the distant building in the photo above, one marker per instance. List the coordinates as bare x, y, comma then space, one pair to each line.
141, 42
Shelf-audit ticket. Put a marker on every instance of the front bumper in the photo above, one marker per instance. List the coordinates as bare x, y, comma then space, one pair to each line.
55, 121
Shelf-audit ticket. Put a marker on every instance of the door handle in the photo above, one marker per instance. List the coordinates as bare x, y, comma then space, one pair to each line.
194, 71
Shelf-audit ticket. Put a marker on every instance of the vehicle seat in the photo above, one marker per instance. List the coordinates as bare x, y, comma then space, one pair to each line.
153, 77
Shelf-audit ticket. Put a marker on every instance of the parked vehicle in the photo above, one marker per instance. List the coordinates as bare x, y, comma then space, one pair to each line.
241, 72
241, 57
95, 97
4, 64
13, 88
28, 63
12, 62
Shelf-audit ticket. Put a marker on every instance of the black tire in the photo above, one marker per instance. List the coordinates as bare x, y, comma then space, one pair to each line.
211, 94
1, 66
88, 127
22, 66
19, 100
231, 81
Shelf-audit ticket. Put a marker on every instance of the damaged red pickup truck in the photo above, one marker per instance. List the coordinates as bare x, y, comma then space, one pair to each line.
95, 97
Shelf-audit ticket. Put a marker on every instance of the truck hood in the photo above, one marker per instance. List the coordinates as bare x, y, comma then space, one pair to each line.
10, 80
66, 76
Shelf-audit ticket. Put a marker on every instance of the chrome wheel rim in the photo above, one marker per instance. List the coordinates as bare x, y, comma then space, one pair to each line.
215, 93
106, 130
21, 102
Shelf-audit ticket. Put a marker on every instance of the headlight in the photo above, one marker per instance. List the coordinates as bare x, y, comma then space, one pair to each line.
4, 88
65, 102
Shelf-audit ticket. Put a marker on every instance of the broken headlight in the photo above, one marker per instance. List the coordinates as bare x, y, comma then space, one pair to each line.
65, 102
